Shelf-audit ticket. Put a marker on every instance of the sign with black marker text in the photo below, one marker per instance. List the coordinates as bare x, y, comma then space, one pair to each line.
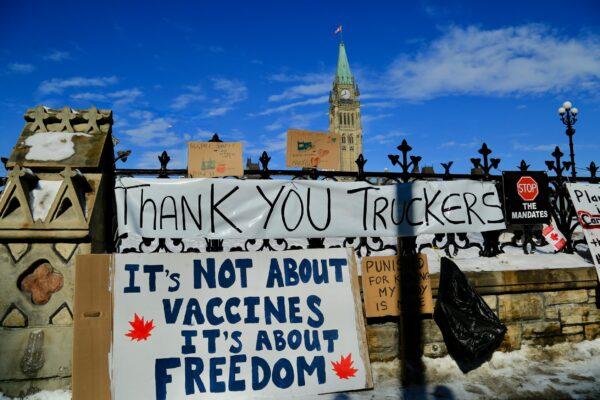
272, 209
586, 200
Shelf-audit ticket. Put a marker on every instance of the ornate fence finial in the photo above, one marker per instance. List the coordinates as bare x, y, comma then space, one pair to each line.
164, 160
447, 167
405, 165
488, 163
360, 163
557, 165
592, 169
523, 166
122, 155
215, 138
264, 165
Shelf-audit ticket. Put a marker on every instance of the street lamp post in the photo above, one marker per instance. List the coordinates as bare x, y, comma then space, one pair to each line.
568, 115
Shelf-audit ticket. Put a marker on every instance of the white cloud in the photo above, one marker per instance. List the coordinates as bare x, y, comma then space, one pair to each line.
312, 84
149, 159
118, 98
289, 106
452, 143
21, 68
58, 85
151, 131
232, 91
183, 100
528, 59
387, 138
549, 147
57, 56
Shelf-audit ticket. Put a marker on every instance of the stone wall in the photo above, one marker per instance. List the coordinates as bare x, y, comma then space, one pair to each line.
539, 307
50, 211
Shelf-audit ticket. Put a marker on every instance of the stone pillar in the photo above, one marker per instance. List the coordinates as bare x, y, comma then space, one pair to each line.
56, 203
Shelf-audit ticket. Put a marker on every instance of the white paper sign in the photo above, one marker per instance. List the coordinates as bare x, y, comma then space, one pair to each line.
586, 200
237, 325
273, 209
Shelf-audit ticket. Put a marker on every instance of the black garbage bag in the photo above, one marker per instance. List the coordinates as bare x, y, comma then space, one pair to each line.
471, 330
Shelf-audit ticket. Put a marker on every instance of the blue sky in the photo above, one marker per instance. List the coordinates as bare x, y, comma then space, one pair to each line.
444, 77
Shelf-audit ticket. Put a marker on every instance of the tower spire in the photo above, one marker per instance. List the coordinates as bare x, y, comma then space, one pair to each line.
343, 74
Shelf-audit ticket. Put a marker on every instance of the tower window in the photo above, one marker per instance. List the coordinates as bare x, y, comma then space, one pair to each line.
350, 139
343, 139
340, 118
352, 119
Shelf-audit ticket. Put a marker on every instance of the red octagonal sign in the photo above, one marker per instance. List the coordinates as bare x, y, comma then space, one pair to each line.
527, 188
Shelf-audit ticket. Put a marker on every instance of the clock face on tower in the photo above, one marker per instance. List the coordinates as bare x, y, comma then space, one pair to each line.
345, 94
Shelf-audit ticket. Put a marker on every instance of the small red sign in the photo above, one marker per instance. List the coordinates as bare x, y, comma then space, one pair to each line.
527, 188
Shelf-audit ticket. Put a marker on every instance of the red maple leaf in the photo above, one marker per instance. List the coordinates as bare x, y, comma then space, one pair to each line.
554, 236
343, 368
140, 329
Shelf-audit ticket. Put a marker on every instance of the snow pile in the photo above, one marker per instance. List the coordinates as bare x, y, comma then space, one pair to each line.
565, 370
41, 198
51, 146
45, 395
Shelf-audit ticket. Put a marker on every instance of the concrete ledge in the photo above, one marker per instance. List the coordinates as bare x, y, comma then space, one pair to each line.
534, 280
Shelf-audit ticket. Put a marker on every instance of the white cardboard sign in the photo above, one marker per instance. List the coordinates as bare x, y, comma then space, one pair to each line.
272, 209
586, 200
237, 325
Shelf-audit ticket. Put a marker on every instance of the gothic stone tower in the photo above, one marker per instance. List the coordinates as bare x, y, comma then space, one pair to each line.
344, 112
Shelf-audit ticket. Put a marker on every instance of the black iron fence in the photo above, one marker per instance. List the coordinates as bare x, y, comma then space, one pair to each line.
485, 168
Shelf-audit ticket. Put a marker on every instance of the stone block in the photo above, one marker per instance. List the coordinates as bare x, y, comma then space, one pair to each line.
491, 301
579, 314
540, 328
572, 329
575, 338
525, 306
384, 341
566, 297
545, 340
512, 338
430, 331
592, 331
551, 312
435, 350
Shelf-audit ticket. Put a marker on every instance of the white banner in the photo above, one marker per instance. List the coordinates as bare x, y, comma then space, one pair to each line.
273, 209
586, 200
237, 325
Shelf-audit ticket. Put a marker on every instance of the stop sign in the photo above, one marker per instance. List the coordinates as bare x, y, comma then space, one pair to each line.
527, 188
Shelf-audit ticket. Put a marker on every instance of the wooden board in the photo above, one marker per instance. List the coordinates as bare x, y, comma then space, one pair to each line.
92, 327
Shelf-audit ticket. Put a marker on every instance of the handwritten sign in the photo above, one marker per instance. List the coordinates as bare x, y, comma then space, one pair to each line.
308, 149
237, 325
586, 200
381, 284
211, 159
261, 209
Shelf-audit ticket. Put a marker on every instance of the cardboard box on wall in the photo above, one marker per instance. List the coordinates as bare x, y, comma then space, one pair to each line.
92, 327
309, 149
212, 159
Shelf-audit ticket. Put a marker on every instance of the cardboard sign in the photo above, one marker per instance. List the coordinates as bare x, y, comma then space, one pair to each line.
526, 197
554, 237
308, 149
261, 209
381, 288
223, 325
211, 159
586, 200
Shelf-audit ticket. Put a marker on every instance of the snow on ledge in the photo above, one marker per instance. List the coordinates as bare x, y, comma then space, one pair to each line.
41, 198
51, 146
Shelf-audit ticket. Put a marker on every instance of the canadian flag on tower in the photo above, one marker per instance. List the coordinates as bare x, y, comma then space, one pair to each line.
337, 30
